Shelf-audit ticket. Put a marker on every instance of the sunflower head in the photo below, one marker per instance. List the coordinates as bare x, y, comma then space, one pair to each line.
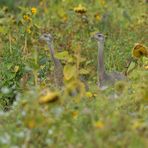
33, 10
139, 51
80, 9
26, 17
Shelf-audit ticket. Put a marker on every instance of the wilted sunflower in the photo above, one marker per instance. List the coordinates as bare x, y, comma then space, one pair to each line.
80, 9
97, 17
99, 124
146, 67
28, 30
75, 114
49, 97
26, 17
89, 94
139, 50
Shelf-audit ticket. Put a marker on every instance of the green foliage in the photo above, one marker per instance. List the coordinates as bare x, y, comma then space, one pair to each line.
8, 3
116, 117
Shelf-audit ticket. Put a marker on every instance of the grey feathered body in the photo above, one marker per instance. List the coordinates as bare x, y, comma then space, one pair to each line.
58, 68
110, 78
58, 73
106, 79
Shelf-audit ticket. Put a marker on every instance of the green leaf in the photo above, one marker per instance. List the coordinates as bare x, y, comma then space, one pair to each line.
131, 67
84, 72
9, 65
145, 60
62, 55
3, 21
82, 59
69, 71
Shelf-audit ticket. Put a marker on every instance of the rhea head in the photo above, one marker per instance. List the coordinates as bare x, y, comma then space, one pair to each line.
46, 37
99, 37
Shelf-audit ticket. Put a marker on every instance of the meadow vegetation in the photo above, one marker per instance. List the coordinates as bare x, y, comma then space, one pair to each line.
36, 113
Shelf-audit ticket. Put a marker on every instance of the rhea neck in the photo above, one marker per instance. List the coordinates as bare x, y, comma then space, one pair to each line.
52, 53
101, 67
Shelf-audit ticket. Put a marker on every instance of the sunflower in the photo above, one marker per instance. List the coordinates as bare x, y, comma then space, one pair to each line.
97, 16
49, 97
33, 10
146, 67
75, 114
26, 17
99, 124
139, 51
80, 9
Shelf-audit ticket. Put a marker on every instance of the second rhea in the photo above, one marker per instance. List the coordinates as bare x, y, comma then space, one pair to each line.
104, 79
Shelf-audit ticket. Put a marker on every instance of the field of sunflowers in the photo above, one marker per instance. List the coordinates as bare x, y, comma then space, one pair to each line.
38, 111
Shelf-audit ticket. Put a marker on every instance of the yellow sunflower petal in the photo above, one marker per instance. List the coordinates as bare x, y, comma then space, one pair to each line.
80, 9
33, 10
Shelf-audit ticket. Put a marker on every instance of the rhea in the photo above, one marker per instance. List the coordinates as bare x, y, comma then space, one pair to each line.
105, 79
58, 68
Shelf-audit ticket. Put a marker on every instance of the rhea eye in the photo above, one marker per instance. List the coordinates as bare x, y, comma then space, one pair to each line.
99, 35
